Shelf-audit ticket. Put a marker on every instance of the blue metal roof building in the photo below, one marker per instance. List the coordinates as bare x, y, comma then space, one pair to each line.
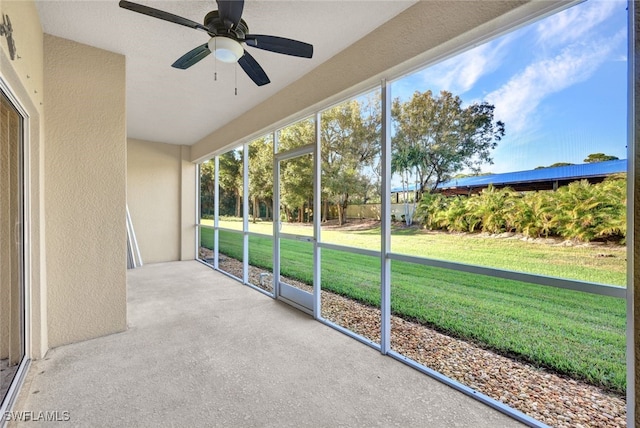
536, 179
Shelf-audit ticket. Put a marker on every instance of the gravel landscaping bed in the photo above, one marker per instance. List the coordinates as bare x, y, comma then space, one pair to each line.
550, 398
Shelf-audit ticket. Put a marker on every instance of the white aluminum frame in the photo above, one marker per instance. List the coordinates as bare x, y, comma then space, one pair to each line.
216, 212
386, 255
198, 214
245, 223
530, 278
307, 302
317, 217
245, 214
276, 218
385, 222
7, 402
632, 157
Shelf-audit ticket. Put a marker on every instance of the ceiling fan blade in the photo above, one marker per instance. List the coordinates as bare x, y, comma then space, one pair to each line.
253, 69
230, 11
192, 57
280, 45
156, 13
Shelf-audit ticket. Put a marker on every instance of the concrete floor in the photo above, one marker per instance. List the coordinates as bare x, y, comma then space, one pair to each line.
203, 350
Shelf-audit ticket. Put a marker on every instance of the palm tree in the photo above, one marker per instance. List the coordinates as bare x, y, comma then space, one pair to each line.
532, 214
490, 208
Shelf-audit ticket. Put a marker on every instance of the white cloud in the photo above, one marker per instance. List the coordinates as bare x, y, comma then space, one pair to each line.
460, 73
571, 24
518, 99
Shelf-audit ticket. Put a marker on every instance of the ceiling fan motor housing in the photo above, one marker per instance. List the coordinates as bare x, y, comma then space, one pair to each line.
216, 27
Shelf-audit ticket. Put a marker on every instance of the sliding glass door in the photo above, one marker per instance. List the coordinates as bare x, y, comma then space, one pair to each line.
12, 290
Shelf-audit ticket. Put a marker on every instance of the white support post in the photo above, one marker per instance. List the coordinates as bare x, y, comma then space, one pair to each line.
633, 135
385, 223
245, 213
317, 217
198, 213
276, 218
216, 211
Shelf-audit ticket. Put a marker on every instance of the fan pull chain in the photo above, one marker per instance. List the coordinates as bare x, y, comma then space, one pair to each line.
215, 61
236, 75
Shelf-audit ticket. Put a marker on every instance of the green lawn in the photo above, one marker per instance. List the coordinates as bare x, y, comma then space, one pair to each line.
578, 334
605, 265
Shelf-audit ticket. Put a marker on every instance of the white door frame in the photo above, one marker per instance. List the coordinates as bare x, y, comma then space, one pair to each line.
6, 402
298, 298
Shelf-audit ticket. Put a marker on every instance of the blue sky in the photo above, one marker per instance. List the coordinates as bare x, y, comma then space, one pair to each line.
559, 85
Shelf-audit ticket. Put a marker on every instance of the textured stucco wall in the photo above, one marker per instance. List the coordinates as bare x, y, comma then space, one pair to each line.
85, 190
24, 76
153, 195
161, 198
188, 205
27, 33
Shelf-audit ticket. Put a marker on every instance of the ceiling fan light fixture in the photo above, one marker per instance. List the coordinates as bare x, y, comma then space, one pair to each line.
226, 49
228, 32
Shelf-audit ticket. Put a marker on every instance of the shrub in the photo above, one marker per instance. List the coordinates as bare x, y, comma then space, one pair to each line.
580, 211
532, 214
490, 208
588, 212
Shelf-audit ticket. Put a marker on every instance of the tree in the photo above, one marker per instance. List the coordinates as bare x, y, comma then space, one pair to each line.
296, 188
554, 165
599, 157
261, 175
207, 189
436, 137
350, 135
230, 179
296, 174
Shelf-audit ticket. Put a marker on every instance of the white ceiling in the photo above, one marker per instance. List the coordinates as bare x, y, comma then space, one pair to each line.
183, 106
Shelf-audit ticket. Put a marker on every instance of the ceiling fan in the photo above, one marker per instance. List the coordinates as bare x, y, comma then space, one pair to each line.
227, 31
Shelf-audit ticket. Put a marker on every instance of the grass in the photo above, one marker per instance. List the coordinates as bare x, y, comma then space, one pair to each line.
577, 334
605, 265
